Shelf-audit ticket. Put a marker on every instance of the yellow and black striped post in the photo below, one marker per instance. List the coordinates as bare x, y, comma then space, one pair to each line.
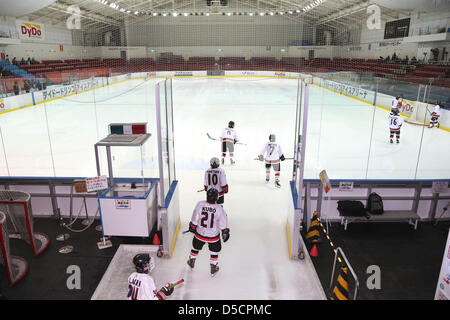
313, 235
340, 290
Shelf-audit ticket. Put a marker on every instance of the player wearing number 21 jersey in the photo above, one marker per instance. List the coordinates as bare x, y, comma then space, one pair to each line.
208, 220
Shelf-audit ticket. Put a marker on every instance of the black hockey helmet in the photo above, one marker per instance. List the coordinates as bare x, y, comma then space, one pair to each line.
212, 195
231, 124
272, 137
143, 263
214, 162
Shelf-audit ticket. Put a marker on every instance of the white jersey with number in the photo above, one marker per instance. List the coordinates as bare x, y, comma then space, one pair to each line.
217, 179
229, 135
210, 219
273, 152
395, 122
141, 286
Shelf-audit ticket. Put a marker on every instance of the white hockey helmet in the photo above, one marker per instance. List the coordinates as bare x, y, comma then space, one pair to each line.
214, 162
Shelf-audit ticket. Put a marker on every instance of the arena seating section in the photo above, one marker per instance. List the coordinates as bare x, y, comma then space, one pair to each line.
59, 71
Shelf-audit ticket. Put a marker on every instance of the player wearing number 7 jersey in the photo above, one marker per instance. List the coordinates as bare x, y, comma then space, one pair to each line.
274, 155
216, 178
208, 220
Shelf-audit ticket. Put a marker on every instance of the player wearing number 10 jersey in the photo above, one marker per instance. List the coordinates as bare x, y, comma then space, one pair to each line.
216, 178
208, 219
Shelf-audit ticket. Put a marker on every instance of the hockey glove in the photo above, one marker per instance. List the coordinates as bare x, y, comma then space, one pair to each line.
282, 158
192, 227
225, 234
260, 157
235, 141
165, 292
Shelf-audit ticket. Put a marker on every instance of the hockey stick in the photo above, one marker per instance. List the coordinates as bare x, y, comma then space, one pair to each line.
219, 139
173, 285
284, 158
211, 137
185, 231
200, 190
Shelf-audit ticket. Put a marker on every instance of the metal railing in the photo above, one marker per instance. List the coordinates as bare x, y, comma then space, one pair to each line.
347, 263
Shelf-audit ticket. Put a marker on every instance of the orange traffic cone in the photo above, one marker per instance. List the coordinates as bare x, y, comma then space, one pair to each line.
314, 252
156, 239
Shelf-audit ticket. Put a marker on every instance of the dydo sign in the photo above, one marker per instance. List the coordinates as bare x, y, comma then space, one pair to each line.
30, 31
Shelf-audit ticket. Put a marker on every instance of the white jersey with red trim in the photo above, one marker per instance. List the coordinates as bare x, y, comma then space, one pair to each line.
217, 179
395, 122
209, 220
229, 135
396, 104
437, 111
141, 286
273, 152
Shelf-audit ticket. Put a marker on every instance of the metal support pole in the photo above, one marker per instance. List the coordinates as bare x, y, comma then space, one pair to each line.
54, 202
434, 201
97, 160
319, 200
110, 168
302, 157
160, 152
307, 205
417, 193
347, 263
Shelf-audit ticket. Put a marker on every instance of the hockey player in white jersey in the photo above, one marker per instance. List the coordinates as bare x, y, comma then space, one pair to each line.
435, 115
229, 138
396, 103
274, 155
216, 178
208, 220
141, 285
395, 122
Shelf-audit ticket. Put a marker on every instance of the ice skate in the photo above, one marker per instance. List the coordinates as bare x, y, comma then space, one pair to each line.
277, 184
398, 141
232, 161
392, 141
223, 161
214, 269
191, 263
267, 179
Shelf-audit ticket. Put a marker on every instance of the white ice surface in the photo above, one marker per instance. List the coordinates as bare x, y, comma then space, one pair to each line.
254, 263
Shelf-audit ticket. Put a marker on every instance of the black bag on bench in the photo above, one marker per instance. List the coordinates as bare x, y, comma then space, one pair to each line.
375, 204
351, 208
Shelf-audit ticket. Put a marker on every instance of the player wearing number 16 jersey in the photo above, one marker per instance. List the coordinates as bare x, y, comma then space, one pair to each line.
395, 122
208, 220
216, 178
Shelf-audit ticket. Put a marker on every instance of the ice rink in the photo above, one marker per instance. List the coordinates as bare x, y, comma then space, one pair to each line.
254, 262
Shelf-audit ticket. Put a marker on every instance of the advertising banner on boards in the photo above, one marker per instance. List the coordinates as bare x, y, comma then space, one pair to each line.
30, 30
